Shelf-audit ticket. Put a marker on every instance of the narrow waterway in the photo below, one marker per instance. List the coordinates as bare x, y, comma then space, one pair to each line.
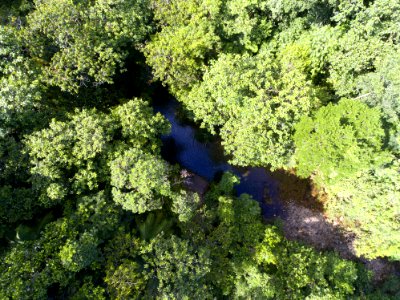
207, 160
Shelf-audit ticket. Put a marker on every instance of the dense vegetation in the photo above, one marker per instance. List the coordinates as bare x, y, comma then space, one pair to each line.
89, 209
306, 85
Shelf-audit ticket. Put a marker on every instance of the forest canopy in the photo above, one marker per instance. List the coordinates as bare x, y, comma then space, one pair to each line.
304, 86
90, 208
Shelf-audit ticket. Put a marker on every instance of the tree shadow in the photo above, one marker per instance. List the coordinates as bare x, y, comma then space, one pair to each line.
311, 227
295, 189
304, 221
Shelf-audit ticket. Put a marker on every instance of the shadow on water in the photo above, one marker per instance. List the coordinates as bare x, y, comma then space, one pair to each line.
207, 159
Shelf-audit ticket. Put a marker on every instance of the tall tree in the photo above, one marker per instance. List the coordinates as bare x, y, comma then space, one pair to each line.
187, 39
84, 43
73, 156
340, 140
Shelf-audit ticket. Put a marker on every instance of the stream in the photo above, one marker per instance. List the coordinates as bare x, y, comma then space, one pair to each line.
206, 159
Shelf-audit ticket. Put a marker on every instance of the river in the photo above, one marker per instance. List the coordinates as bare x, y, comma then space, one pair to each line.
207, 160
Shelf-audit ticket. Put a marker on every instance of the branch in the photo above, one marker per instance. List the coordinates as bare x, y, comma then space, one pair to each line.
362, 96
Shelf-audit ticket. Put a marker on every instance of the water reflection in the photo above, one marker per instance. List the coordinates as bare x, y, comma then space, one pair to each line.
207, 160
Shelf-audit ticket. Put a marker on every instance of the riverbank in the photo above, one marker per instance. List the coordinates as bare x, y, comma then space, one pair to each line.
280, 194
304, 221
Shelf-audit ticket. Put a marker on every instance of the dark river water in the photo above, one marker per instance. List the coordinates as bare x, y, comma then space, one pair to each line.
207, 160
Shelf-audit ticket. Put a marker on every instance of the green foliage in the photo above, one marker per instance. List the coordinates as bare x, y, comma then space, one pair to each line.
379, 19
154, 224
139, 125
124, 276
126, 280
381, 89
239, 229
369, 203
28, 233
10, 50
74, 155
90, 210
12, 10
16, 204
177, 53
346, 63
245, 23
341, 147
82, 43
391, 286
340, 140
185, 205
367, 35
298, 272
76, 255
64, 246
236, 257
21, 92
258, 97
165, 267
229, 83
178, 269
245, 96
139, 180
284, 10
68, 155
252, 260
89, 291
17, 200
